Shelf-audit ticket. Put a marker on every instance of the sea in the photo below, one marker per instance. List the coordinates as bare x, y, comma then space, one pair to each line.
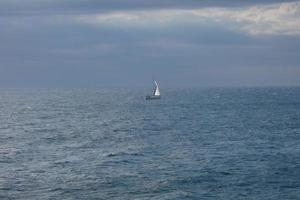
197, 143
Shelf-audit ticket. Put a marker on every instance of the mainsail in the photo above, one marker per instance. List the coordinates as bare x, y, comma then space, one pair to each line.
155, 94
156, 90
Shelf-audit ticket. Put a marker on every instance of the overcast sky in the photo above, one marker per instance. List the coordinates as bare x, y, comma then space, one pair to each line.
123, 43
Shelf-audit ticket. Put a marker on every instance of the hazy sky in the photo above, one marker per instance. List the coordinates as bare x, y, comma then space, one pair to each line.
191, 43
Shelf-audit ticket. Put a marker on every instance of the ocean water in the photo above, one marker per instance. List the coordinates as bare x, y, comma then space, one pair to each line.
221, 143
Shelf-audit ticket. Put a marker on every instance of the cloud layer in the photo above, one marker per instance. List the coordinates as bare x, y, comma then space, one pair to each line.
275, 19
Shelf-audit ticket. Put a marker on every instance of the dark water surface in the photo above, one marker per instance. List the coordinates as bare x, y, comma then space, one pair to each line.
241, 143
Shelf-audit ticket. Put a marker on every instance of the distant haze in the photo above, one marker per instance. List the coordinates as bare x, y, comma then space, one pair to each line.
124, 43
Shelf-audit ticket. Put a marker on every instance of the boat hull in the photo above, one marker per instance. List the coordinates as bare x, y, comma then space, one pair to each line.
152, 97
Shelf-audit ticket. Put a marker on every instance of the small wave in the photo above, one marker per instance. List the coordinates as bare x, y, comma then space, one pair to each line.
172, 195
225, 173
123, 154
70, 159
9, 151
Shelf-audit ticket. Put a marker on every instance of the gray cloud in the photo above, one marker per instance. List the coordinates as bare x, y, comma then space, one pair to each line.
45, 7
279, 19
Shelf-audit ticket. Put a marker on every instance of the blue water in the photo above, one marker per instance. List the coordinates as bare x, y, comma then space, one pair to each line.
234, 143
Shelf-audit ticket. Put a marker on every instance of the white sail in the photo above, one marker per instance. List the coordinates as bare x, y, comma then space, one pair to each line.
156, 92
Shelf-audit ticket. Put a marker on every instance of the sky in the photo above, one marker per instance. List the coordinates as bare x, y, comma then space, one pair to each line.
125, 43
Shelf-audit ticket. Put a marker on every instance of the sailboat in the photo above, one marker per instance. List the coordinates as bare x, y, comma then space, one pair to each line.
156, 93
